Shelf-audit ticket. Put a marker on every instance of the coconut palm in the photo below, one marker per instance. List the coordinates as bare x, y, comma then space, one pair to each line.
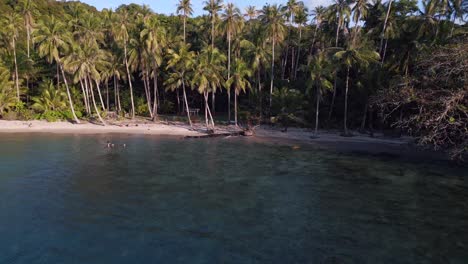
50, 99
208, 76
121, 33
27, 8
213, 7
7, 90
300, 20
181, 62
11, 23
185, 8
232, 22
357, 56
251, 12
339, 12
154, 37
320, 76
53, 38
273, 20
239, 81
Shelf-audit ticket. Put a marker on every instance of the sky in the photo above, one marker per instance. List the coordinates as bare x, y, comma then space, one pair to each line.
169, 6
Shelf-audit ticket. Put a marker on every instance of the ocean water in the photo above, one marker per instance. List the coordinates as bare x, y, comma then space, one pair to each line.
69, 199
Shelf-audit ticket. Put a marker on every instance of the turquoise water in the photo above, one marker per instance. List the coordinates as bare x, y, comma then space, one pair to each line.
68, 199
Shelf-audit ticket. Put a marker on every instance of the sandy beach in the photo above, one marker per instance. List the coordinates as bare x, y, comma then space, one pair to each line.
331, 140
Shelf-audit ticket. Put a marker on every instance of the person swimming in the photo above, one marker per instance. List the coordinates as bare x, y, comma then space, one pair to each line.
109, 145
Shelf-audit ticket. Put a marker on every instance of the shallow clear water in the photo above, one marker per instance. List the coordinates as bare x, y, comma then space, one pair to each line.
68, 199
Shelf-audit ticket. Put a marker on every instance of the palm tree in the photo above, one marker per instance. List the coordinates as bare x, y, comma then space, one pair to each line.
232, 23
320, 75
251, 12
154, 37
359, 56
50, 99
290, 10
239, 81
208, 76
213, 7
339, 12
385, 25
52, 38
85, 62
7, 90
181, 62
11, 23
121, 33
185, 7
360, 11
27, 8
273, 21
301, 20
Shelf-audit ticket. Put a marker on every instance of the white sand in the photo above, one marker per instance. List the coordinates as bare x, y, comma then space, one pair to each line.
88, 128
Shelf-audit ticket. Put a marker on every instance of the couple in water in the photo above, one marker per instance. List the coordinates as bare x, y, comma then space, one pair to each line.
112, 145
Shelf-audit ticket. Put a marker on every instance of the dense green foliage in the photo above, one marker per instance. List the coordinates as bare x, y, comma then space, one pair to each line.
343, 64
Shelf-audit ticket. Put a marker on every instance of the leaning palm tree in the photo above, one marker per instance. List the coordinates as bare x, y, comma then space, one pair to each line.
185, 8
181, 62
11, 23
240, 82
53, 39
356, 55
232, 22
273, 20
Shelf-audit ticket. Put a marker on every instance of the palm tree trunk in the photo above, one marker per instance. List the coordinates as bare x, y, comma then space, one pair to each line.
28, 33
148, 98
155, 94
107, 93
272, 71
298, 53
235, 107
185, 21
385, 25
205, 96
94, 102
178, 100
364, 116
209, 114
213, 101
58, 76
317, 111
84, 97
69, 96
332, 105
338, 32
129, 80
103, 106
186, 103
346, 102
16, 71
384, 52
229, 76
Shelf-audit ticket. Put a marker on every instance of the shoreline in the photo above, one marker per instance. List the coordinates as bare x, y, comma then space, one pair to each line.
359, 144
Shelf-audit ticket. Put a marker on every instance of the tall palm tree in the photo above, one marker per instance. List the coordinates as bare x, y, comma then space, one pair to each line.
232, 23
384, 28
208, 76
27, 8
273, 20
53, 38
339, 12
11, 23
251, 12
301, 20
121, 33
240, 82
355, 55
213, 7
181, 62
154, 37
320, 75
185, 8
360, 11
